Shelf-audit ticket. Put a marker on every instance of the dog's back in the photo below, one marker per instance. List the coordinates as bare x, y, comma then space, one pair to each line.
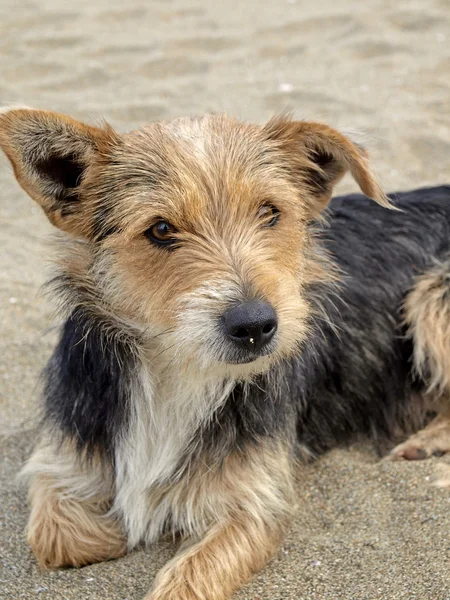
373, 353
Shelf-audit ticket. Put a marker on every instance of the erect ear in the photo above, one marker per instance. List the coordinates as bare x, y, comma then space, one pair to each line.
320, 156
51, 154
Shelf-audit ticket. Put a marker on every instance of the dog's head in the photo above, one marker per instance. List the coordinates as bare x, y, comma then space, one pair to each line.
196, 231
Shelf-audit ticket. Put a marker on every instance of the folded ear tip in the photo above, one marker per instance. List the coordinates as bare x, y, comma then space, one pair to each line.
382, 199
392, 206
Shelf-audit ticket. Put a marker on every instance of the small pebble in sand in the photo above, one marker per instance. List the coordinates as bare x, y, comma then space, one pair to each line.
285, 87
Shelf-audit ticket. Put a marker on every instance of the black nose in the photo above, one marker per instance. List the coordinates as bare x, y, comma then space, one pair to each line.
250, 325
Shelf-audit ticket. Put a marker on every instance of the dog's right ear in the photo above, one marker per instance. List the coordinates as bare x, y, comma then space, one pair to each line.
51, 154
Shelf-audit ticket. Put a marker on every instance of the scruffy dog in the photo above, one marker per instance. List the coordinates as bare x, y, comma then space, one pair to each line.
216, 329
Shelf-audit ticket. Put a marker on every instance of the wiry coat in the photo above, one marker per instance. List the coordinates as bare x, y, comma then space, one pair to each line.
154, 421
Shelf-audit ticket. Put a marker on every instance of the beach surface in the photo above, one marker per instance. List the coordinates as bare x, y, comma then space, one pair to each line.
365, 528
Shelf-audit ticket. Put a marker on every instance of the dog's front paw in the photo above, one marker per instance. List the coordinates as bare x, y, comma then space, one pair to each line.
191, 576
64, 532
58, 542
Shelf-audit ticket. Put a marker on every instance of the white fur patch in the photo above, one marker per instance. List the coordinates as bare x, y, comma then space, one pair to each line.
167, 409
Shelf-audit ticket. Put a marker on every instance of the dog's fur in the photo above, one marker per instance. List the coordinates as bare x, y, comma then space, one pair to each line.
153, 422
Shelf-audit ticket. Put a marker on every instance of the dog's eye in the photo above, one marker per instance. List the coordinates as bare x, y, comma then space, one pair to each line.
270, 214
161, 233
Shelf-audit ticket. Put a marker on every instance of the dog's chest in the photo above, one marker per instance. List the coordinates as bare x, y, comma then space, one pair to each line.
165, 414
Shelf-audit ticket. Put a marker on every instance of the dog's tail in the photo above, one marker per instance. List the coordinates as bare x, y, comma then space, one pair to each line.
427, 315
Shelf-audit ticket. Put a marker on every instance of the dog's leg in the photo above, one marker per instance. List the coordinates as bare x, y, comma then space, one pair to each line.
69, 524
251, 498
427, 313
216, 566
433, 440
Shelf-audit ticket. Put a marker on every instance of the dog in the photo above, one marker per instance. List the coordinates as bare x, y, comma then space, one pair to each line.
222, 321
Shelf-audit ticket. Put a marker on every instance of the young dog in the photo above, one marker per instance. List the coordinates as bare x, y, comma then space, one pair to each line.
216, 329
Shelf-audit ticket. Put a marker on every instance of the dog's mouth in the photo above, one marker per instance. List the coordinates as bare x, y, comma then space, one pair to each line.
247, 357
243, 361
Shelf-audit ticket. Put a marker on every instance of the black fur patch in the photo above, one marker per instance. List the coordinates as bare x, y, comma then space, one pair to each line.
320, 180
65, 171
252, 412
103, 226
87, 385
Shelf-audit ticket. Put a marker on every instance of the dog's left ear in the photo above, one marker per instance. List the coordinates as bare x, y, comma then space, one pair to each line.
318, 156
51, 155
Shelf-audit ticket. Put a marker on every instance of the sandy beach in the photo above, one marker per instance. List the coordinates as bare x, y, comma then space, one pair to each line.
365, 529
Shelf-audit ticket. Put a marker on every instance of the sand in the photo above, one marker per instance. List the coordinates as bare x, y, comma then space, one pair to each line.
365, 529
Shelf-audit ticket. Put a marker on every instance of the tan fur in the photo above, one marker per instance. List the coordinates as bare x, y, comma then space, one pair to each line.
64, 531
222, 241
248, 505
427, 315
220, 563
69, 524
256, 482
